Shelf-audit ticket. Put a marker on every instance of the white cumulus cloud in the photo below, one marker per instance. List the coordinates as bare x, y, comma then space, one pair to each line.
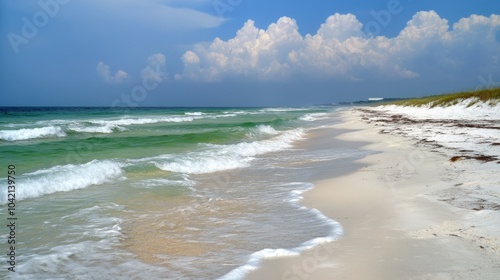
156, 68
105, 73
427, 46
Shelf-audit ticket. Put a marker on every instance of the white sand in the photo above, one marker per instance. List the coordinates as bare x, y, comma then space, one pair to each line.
407, 214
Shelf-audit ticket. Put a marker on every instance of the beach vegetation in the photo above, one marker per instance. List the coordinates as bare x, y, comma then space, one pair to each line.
491, 96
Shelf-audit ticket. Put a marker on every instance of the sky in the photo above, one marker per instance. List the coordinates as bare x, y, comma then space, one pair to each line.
243, 52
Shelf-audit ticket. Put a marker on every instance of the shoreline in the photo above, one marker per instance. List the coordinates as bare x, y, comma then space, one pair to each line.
395, 226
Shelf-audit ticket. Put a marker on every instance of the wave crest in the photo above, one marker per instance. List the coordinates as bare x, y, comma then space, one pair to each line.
31, 133
65, 178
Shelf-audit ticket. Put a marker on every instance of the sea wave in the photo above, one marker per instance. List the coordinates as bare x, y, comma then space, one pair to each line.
194, 113
284, 109
224, 157
262, 130
314, 117
266, 129
148, 120
62, 127
65, 178
32, 133
105, 129
59, 127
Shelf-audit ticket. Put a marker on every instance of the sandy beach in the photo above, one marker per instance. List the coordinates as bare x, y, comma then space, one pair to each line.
408, 212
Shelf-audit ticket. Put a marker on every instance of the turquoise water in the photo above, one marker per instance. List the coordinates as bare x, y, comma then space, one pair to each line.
162, 193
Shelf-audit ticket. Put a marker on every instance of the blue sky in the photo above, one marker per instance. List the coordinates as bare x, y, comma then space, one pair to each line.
242, 52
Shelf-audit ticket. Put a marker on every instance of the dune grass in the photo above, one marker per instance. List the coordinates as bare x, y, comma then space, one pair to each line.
486, 95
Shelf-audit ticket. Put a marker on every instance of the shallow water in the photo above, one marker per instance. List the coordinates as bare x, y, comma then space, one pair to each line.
161, 193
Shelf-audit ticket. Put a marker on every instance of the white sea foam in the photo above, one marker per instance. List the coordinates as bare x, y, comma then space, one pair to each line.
125, 120
200, 163
57, 128
194, 113
111, 125
283, 109
262, 130
281, 142
266, 129
148, 120
225, 157
31, 133
314, 117
56, 122
65, 178
234, 113
255, 259
161, 182
96, 129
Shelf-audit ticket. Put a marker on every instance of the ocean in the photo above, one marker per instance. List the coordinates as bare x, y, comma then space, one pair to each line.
159, 193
